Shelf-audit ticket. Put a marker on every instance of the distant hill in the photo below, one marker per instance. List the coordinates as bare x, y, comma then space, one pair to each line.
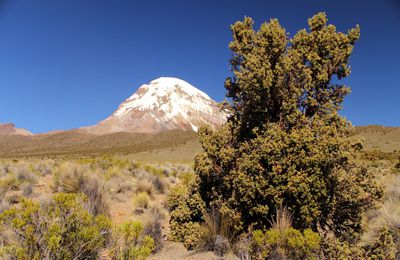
74, 142
168, 145
383, 138
10, 129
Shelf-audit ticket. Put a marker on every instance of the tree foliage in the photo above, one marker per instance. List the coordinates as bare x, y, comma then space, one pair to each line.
285, 143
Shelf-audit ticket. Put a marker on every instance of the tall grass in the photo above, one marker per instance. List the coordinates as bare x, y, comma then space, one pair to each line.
78, 179
217, 232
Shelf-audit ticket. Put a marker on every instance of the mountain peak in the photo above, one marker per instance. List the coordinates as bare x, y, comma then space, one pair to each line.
163, 104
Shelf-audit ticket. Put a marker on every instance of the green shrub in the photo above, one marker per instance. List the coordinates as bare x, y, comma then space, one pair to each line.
288, 243
60, 229
129, 242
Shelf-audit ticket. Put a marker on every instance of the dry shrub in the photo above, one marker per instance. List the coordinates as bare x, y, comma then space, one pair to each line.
217, 233
27, 190
24, 175
159, 184
120, 184
78, 180
144, 185
141, 200
4, 205
9, 183
153, 227
387, 216
44, 167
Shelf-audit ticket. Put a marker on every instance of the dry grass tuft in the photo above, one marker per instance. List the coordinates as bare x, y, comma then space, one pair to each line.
388, 214
4, 205
141, 200
78, 180
24, 175
153, 227
217, 233
283, 219
144, 185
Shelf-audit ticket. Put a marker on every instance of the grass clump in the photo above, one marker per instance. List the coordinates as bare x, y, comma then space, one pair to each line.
60, 229
144, 185
141, 200
153, 228
9, 183
77, 179
217, 233
24, 175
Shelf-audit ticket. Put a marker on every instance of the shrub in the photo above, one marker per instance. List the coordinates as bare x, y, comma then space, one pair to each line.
144, 185
61, 229
141, 200
77, 180
120, 184
285, 142
129, 242
217, 232
8, 183
153, 228
397, 165
4, 205
286, 243
24, 175
186, 214
27, 190
384, 247
159, 183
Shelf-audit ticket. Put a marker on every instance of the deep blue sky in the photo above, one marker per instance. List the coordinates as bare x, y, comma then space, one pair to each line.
70, 63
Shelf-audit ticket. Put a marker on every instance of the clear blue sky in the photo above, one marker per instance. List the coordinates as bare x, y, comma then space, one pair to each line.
70, 63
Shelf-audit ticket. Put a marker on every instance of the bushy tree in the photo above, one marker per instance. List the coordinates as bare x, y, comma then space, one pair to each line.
285, 143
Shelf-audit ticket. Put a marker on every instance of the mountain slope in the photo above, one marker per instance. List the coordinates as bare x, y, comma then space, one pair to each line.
10, 129
376, 137
164, 104
75, 142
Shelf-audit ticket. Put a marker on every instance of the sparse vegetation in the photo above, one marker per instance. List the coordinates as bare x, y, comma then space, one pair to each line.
285, 178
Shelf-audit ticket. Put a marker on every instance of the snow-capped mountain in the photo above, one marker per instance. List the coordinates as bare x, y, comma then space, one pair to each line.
10, 129
164, 104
